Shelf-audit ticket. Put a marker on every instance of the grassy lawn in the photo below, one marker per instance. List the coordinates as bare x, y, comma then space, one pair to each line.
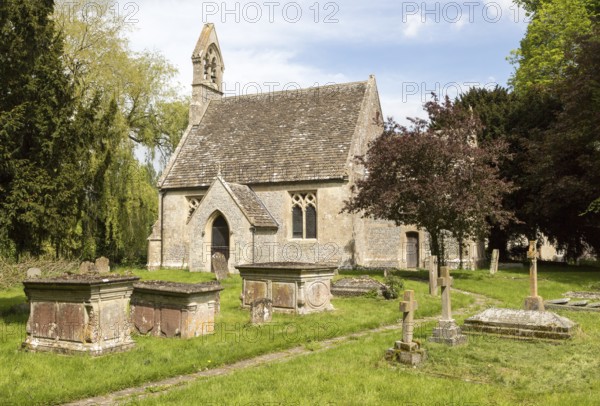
43, 378
488, 370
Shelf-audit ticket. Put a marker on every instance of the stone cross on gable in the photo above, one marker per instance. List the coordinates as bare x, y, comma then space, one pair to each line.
445, 281
408, 307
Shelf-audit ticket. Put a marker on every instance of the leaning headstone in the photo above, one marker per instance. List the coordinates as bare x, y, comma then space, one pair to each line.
494, 262
447, 331
433, 275
102, 265
261, 311
533, 301
87, 267
219, 266
407, 351
34, 273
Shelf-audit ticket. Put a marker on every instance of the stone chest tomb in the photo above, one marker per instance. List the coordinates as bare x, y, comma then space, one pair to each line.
169, 309
293, 287
79, 314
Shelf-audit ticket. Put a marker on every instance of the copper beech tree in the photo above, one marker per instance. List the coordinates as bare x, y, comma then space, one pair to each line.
434, 175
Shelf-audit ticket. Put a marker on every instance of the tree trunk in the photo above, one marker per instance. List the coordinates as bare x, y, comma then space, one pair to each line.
434, 246
460, 252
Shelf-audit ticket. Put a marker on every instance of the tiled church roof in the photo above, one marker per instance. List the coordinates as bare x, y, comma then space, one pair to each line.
251, 206
275, 137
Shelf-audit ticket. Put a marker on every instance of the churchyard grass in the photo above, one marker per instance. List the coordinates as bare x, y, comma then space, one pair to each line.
43, 378
486, 371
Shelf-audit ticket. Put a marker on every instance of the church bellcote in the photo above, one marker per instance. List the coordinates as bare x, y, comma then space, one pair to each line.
208, 72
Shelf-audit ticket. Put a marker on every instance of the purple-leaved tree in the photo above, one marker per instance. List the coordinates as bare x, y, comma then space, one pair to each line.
434, 175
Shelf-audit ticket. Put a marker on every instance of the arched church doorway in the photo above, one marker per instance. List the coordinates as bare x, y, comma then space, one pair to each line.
220, 237
412, 249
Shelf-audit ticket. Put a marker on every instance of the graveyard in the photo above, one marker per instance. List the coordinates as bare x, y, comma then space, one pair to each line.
336, 357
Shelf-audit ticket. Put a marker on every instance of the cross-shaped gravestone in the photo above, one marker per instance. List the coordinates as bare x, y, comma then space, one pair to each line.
494, 262
407, 351
447, 331
433, 275
408, 307
532, 255
445, 281
533, 302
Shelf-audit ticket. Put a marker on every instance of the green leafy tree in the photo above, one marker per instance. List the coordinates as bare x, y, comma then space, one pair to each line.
550, 44
138, 109
39, 148
566, 156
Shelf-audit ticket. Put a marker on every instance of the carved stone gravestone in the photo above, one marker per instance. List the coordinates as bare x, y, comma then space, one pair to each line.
102, 265
87, 267
407, 351
219, 266
494, 262
34, 273
261, 311
433, 275
447, 331
533, 301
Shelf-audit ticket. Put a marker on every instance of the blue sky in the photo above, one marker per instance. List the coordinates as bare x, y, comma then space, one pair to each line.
412, 47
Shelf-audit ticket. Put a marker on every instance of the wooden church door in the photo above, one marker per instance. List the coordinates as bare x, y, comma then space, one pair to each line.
220, 237
412, 250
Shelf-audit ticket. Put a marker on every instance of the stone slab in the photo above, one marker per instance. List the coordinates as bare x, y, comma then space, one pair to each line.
592, 307
558, 301
520, 323
357, 286
583, 295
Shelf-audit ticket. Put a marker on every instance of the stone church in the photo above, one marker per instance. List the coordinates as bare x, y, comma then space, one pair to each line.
263, 178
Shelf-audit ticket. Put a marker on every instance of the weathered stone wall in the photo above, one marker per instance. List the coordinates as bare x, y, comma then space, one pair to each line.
175, 238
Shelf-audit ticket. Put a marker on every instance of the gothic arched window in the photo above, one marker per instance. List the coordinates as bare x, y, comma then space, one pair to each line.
304, 215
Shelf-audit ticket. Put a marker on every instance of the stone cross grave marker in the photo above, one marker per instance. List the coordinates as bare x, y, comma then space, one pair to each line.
407, 351
433, 275
261, 311
446, 282
219, 266
494, 262
533, 302
408, 307
447, 331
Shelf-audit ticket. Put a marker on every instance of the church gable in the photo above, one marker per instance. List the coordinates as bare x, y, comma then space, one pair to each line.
240, 197
303, 135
